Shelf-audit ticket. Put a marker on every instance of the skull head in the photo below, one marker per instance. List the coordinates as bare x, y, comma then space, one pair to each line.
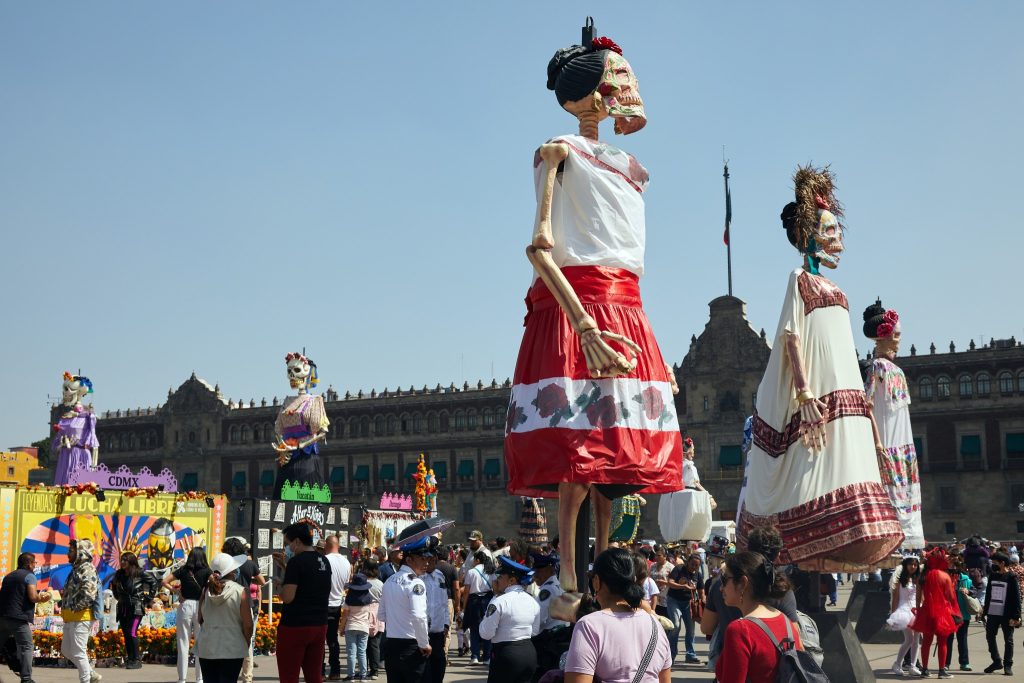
827, 242
620, 93
74, 389
298, 370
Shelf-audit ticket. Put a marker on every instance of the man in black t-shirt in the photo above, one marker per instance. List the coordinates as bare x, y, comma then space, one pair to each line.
18, 598
684, 586
302, 632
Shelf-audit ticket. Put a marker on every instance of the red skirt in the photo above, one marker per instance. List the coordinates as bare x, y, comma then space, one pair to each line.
564, 426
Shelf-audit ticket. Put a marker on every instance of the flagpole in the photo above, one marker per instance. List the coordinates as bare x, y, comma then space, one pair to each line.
728, 219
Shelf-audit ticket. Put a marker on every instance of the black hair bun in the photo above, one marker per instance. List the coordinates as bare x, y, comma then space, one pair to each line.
788, 217
874, 315
575, 72
561, 58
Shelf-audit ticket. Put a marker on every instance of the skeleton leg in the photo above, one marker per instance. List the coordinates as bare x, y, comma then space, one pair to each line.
602, 520
570, 497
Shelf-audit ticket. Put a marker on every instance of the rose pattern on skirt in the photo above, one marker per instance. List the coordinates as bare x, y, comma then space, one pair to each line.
552, 402
516, 417
653, 403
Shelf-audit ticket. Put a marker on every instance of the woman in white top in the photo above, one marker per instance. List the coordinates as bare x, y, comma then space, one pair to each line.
226, 618
511, 620
904, 597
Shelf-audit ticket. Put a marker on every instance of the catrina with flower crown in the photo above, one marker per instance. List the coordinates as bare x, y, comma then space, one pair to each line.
300, 427
74, 435
592, 410
811, 471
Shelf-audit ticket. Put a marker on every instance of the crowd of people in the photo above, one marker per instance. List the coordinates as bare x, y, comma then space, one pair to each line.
410, 610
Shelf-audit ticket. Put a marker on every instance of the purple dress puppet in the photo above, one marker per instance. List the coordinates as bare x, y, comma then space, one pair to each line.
74, 438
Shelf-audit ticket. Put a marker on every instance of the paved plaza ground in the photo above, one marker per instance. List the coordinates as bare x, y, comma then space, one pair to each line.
880, 656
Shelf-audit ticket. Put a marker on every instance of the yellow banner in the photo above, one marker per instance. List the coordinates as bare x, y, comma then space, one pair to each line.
160, 530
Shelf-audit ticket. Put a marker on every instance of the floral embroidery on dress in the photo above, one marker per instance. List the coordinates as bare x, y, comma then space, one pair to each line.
819, 292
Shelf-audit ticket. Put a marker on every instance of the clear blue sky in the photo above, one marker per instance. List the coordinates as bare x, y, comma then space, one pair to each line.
197, 186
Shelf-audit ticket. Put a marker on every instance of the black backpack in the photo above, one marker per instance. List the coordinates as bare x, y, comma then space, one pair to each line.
795, 666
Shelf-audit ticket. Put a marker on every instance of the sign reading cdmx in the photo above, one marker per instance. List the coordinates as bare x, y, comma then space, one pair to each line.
123, 478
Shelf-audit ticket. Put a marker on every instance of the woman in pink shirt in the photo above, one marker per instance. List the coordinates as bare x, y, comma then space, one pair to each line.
611, 644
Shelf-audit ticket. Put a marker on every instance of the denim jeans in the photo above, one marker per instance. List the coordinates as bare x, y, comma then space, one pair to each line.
682, 619
478, 647
355, 646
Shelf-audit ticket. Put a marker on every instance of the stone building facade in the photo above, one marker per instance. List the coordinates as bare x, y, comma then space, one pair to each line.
967, 411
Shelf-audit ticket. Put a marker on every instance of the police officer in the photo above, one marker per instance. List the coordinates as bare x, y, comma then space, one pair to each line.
438, 617
403, 607
554, 635
510, 621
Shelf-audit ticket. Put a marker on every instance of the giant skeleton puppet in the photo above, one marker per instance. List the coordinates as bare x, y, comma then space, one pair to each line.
811, 470
300, 427
592, 411
74, 438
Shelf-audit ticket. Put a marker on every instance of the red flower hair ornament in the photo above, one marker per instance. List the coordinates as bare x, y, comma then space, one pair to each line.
888, 324
606, 43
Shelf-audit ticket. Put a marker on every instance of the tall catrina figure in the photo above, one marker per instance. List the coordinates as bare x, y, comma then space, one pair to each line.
811, 470
591, 411
74, 437
889, 400
300, 426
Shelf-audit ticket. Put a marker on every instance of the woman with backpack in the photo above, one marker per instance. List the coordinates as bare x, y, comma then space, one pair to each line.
134, 590
192, 578
749, 654
904, 599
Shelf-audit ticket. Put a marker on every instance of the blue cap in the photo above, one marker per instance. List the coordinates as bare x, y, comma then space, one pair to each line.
513, 568
540, 560
423, 547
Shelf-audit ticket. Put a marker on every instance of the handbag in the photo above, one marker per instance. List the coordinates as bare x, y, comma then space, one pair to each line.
973, 605
645, 661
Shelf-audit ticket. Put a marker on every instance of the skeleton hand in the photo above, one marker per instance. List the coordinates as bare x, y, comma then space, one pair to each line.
813, 417
189, 542
95, 458
672, 379
602, 359
112, 550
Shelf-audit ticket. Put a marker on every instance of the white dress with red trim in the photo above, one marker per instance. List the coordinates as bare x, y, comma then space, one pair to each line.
564, 426
889, 397
830, 506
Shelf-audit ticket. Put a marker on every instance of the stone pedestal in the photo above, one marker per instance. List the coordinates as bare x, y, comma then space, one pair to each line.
845, 661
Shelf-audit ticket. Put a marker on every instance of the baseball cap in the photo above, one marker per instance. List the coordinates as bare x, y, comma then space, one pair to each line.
475, 535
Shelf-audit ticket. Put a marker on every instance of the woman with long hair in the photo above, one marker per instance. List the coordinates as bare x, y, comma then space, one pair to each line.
619, 640
226, 615
191, 578
134, 590
904, 599
749, 583
937, 610
370, 568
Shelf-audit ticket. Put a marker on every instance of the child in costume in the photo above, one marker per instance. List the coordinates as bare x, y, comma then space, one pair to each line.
937, 614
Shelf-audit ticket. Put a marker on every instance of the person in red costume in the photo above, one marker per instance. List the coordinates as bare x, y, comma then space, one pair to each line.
937, 614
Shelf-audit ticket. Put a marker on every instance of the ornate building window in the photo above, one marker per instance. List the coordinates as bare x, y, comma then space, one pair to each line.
471, 420
353, 428
943, 387
255, 434
364, 426
984, 384
378, 425
460, 421
406, 424
966, 386
444, 422
925, 389
419, 423
1020, 382
1005, 382
488, 418
244, 434
433, 423
392, 425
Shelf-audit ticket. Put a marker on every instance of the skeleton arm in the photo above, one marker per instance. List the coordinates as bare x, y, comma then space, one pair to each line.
95, 457
602, 359
813, 412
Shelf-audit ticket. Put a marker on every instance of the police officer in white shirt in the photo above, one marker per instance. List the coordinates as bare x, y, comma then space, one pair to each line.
438, 617
510, 622
403, 608
554, 636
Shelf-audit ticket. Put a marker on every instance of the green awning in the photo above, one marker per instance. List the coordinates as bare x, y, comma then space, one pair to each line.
337, 475
970, 444
267, 478
492, 468
238, 481
362, 473
1015, 444
190, 482
466, 468
410, 469
387, 471
919, 447
730, 456
441, 469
